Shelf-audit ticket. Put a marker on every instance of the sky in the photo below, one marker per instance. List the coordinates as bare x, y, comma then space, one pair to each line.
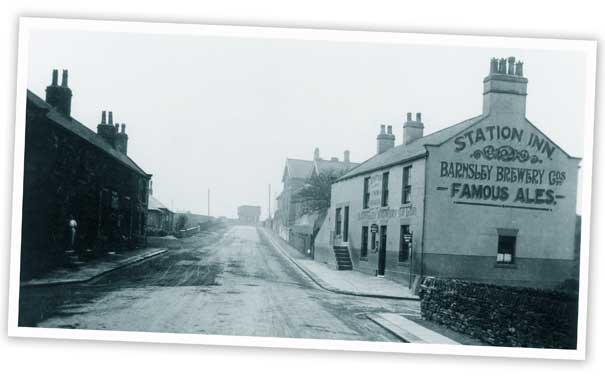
224, 113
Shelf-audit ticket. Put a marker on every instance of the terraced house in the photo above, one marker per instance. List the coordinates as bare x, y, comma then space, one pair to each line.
489, 199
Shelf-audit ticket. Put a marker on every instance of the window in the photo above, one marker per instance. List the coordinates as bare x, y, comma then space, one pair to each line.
364, 242
404, 247
366, 192
506, 249
338, 221
407, 186
373, 243
385, 189
345, 231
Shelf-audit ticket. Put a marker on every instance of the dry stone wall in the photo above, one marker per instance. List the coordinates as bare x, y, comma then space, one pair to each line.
500, 315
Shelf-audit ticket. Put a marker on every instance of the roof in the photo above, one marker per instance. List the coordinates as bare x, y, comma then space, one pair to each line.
328, 166
155, 204
82, 131
410, 151
298, 168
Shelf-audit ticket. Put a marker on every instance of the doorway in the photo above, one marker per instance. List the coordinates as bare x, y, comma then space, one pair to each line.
382, 250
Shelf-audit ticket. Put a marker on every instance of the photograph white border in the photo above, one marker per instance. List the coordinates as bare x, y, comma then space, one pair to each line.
29, 24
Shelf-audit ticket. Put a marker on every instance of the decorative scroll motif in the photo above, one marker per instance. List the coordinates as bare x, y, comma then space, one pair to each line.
505, 153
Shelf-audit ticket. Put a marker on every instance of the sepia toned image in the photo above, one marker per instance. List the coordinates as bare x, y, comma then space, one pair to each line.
300, 188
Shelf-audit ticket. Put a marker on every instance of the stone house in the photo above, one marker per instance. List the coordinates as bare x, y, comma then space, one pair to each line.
71, 171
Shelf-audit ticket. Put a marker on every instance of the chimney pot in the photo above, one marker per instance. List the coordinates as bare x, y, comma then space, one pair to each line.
103, 117
519, 69
111, 118
409, 117
511, 65
493, 66
347, 156
64, 78
55, 77
382, 128
390, 130
123, 128
418, 117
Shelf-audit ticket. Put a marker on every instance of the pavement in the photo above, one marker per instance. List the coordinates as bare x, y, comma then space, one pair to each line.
89, 270
408, 330
344, 282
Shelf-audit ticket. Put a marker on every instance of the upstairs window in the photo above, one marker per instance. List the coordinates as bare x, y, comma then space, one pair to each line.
385, 189
366, 192
406, 195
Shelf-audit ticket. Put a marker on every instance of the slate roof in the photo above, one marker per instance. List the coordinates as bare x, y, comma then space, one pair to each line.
82, 131
401, 153
298, 168
155, 204
327, 166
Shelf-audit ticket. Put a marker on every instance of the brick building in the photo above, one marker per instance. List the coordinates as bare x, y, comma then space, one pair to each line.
71, 171
489, 199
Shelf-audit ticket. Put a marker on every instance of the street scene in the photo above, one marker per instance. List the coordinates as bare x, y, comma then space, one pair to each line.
286, 188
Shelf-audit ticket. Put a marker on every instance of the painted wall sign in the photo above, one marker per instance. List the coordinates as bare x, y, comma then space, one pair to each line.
386, 213
491, 183
531, 141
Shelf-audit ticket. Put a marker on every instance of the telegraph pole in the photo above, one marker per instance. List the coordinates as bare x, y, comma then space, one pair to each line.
269, 201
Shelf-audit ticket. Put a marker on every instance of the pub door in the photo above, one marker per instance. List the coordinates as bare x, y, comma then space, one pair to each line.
382, 250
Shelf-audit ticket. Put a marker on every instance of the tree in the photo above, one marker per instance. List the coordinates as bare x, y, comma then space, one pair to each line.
316, 192
181, 222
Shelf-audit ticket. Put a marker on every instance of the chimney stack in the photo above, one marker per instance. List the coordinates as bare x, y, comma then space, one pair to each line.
57, 96
385, 140
347, 156
121, 139
106, 128
505, 88
316, 154
412, 129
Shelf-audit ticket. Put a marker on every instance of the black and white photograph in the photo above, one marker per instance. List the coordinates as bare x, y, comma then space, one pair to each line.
302, 188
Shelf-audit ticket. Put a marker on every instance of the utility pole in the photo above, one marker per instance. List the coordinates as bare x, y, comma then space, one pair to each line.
269, 201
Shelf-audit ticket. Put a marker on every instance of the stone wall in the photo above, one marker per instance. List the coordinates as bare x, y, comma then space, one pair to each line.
502, 316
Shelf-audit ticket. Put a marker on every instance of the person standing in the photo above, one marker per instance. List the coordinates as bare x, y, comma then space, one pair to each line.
72, 227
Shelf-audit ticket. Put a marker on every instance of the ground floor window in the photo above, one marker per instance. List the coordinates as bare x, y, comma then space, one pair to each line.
404, 245
364, 242
373, 243
506, 249
338, 221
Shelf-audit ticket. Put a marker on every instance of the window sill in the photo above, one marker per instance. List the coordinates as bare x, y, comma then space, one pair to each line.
404, 205
505, 265
363, 259
403, 264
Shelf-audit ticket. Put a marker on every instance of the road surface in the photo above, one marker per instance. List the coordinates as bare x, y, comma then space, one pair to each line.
229, 284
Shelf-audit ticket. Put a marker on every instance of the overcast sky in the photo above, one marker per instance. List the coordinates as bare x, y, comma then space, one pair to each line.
224, 113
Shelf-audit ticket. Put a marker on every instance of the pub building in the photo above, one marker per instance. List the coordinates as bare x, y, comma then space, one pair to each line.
491, 199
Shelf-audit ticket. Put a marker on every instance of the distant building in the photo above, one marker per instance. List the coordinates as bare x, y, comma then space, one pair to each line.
296, 174
71, 171
160, 218
248, 214
489, 199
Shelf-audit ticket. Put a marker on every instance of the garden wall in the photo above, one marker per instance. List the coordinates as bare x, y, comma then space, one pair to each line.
502, 316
